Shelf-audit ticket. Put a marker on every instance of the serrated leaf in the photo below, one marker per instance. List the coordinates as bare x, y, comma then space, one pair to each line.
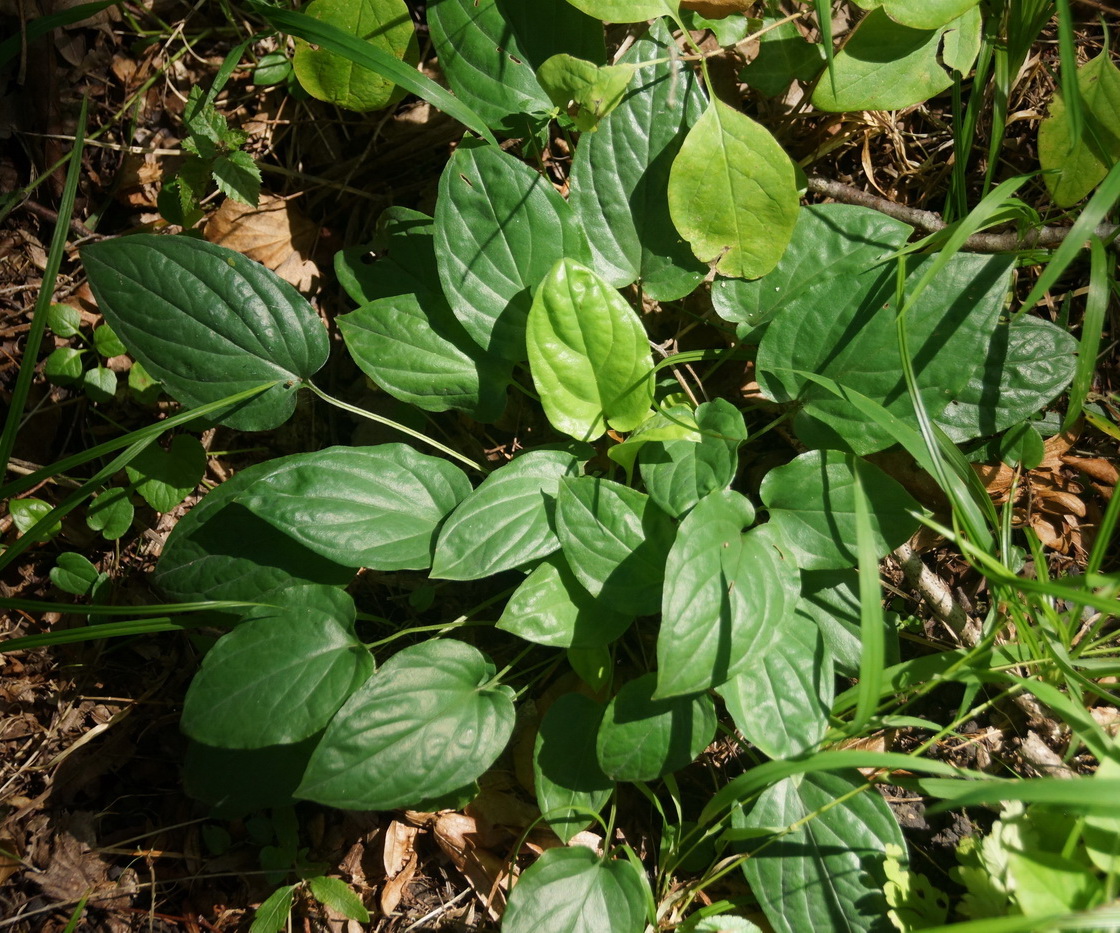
111, 513
550, 607
588, 353
831, 243
620, 175
377, 507
854, 341
500, 228
326, 75
566, 773
679, 473
781, 701
828, 873
238, 177
887, 66
338, 896
727, 595
74, 574
166, 478
576, 891
424, 725
505, 522
221, 550
615, 540
207, 322
405, 336
1075, 170
733, 193
279, 677
642, 738
811, 500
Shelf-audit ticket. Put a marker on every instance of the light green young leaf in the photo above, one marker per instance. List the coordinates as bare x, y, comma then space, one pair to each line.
166, 477
812, 502
27, 511
505, 522
64, 365
207, 322
566, 773
106, 342
625, 11
100, 383
575, 891
385, 750
500, 228
615, 540
111, 513
325, 75
377, 507
887, 66
727, 596
64, 320
550, 607
279, 677
595, 90
1072, 171
339, 896
733, 193
620, 175
272, 915
588, 353
830, 872
781, 701
914, 903
926, 14
642, 739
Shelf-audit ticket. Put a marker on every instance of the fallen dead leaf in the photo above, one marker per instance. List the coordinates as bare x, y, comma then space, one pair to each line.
9, 858
487, 874
275, 233
400, 861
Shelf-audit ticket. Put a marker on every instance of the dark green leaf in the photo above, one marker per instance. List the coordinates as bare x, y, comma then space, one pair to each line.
111, 513
616, 541
26, 513
377, 507
273, 68
425, 724
166, 478
642, 739
100, 383
812, 501
550, 607
74, 574
727, 595
829, 873
505, 522
238, 176
576, 891
783, 55
500, 228
279, 677
235, 782
568, 779
207, 322
620, 176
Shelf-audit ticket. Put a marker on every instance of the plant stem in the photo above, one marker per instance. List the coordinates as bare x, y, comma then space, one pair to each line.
389, 422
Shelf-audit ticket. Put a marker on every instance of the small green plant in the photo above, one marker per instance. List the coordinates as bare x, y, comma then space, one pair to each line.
627, 546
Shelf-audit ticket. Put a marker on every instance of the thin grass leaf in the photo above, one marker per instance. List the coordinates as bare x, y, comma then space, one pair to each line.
46, 291
368, 56
210, 605
1082, 794
97, 632
872, 659
1092, 327
1104, 537
1092, 214
824, 24
1071, 92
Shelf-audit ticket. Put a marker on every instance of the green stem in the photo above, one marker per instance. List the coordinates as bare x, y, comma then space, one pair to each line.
389, 422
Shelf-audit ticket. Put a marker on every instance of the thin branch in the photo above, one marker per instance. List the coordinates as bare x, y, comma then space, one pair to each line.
931, 222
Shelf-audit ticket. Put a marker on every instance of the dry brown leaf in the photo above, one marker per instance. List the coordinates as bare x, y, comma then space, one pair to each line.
275, 233
9, 858
401, 862
717, 9
1097, 468
456, 834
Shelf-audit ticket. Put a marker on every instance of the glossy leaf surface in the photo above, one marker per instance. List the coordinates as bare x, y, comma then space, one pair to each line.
424, 725
207, 322
642, 739
166, 478
376, 507
812, 501
727, 595
505, 522
620, 176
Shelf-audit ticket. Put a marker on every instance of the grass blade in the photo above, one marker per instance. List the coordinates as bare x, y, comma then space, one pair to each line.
1092, 327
